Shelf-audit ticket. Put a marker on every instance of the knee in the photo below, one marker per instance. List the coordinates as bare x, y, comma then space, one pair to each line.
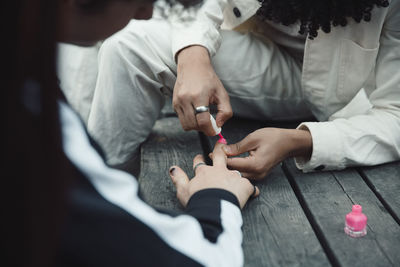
130, 41
112, 49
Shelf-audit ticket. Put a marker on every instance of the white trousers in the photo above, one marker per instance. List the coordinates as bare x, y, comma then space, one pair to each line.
136, 69
77, 71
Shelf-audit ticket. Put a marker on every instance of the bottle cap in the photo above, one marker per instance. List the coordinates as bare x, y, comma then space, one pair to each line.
356, 222
222, 140
217, 129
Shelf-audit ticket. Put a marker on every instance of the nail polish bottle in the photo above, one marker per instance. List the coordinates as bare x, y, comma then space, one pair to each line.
356, 222
217, 129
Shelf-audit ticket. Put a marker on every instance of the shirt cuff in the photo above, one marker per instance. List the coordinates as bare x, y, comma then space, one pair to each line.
202, 197
327, 151
196, 35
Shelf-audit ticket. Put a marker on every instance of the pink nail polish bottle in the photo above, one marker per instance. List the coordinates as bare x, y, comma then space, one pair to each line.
217, 130
356, 222
214, 125
221, 139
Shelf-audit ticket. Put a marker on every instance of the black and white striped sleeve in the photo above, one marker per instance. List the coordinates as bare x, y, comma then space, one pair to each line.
109, 225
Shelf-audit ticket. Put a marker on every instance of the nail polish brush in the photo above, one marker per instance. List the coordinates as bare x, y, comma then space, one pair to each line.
217, 130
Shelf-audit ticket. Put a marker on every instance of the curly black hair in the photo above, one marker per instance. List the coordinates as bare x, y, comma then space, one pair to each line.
96, 5
317, 14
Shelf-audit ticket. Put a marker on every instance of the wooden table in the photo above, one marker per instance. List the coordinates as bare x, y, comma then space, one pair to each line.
298, 219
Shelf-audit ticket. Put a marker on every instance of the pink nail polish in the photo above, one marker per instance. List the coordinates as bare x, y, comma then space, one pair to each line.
356, 222
221, 139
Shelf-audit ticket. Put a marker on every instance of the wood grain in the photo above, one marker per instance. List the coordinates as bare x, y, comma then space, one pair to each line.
276, 231
167, 145
328, 197
384, 180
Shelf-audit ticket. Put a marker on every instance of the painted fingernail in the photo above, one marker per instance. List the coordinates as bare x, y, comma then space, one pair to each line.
222, 141
172, 171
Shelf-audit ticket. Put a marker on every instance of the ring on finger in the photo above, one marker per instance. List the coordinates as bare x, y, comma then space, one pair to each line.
197, 165
254, 191
201, 109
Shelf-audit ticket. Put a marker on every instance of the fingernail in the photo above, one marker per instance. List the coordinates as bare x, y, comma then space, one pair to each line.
222, 141
227, 149
172, 171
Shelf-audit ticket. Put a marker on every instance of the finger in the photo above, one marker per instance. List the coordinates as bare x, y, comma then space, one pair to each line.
248, 175
204, 123
257, 193
182, 104
177, 108
178, 112
182, 119
245, 145
196, 160
246, 164
253, 176
224, 107
189, 117
219, 156
179, 178
253, 191
203, 119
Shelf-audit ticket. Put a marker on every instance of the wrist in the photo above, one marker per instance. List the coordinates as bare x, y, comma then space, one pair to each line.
193, 54
299, 143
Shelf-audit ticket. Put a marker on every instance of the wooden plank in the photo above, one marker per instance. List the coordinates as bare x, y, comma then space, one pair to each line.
276, 230
167, 145
384, 180
327, 198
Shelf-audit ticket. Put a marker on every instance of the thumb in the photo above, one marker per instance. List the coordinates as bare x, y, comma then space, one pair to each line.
181, 182
224, 109
178, 177
238, 148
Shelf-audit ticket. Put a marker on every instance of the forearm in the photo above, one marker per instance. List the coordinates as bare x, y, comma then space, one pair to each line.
361, 140
299, 143
194, 54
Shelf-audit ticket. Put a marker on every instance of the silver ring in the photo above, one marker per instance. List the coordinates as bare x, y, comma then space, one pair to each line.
238, 172
197, 165
201, 109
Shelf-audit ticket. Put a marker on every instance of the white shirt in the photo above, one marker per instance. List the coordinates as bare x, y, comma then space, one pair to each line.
287, 37
350, 80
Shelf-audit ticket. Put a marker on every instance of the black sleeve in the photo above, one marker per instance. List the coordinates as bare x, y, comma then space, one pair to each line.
204, 206
98, 233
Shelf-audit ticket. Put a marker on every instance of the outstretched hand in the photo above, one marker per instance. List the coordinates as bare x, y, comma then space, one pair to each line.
216, 176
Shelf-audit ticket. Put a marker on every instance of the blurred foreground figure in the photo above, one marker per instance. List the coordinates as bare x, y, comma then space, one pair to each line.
63, 205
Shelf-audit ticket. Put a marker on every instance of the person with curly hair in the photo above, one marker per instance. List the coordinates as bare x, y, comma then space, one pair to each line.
332, 64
